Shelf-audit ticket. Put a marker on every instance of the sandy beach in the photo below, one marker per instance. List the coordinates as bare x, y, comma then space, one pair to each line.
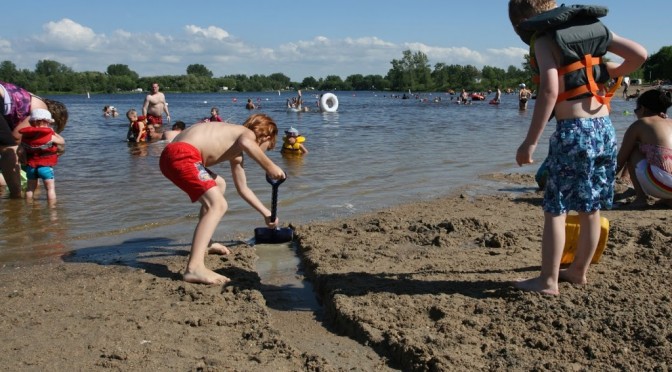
421, 286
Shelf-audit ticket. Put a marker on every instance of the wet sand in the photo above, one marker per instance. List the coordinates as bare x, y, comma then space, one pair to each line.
421, 286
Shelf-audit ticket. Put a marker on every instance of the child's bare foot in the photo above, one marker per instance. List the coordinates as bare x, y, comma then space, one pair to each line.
568, 276
204, 276
216, 248
536, 285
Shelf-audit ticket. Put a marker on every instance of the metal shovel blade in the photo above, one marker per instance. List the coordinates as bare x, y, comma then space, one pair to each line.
264, 235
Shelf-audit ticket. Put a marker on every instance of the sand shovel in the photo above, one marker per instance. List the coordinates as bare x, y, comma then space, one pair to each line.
264, 235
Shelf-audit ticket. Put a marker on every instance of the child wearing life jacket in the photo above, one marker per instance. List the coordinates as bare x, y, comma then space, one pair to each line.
39, 152
567, 44
137, 131
292, 142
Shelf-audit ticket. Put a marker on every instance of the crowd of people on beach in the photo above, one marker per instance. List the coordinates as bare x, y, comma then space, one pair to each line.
580, 168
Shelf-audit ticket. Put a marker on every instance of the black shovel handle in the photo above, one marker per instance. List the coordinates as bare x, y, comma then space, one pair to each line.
274, 195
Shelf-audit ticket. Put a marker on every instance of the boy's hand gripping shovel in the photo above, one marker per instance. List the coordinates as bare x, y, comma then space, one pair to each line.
264, 235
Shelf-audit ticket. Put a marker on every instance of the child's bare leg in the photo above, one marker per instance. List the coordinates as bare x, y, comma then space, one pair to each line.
635, 157
213, 247
50, 186
212, 209
552, 244
9, 165
589, 237
31, 185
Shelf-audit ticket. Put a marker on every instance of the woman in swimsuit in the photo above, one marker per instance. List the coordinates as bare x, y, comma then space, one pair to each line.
18, 104
646, 150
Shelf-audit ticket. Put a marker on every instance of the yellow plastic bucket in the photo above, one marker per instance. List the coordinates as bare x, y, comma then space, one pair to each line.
572, 229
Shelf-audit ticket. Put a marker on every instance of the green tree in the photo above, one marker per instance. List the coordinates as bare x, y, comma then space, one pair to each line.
331, 82
51, 68
8, 71
441, 77
492, 77
377, 82
309, 82
199, 70
411, 72
659, 65
357, 82
59, 77
278, 81
122, 70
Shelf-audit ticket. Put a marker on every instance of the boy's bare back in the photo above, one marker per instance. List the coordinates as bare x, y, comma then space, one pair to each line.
216, 141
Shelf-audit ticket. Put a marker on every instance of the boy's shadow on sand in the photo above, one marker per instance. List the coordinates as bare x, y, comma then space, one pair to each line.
136, 253
140, 253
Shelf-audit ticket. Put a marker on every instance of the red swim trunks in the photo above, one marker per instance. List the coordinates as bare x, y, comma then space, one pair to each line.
151, 119
182, 164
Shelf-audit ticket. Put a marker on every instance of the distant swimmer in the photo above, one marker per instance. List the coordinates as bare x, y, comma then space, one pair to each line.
250, 105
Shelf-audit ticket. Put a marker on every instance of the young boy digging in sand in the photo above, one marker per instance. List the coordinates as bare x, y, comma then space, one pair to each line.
185, 160
582, 151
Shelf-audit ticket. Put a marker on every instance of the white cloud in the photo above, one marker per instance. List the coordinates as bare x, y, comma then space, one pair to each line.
211, 32
82, 49
5, 47
68, 35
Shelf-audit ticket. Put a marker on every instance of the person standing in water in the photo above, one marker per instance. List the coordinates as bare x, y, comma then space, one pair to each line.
154, 107
524, 95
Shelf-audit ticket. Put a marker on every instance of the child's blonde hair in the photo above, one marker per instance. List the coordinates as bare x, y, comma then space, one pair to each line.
520, 10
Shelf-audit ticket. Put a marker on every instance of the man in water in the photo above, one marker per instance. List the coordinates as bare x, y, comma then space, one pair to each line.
154, 107
523, 96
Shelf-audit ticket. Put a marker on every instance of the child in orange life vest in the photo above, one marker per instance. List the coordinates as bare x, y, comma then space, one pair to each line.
292, 142
39, 151
136, 127
566, 49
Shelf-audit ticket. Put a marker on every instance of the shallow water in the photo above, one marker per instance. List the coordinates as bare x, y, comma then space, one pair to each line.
374, 152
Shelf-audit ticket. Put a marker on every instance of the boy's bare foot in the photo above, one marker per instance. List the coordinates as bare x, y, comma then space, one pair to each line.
568, 276
216, 248
204, 276
535, 285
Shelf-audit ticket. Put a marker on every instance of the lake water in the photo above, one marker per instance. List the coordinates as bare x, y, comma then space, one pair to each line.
376, 151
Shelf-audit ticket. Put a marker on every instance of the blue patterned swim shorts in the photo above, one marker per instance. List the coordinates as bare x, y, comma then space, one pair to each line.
581, 166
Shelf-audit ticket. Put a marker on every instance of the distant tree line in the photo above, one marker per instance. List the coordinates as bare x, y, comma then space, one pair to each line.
411, 72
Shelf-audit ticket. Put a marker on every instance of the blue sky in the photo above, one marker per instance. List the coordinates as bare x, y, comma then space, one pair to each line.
297, 38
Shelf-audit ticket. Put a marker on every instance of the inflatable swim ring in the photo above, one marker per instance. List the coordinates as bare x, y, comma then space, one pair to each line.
328, 102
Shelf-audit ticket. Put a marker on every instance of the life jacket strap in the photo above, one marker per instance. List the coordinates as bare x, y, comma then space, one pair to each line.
591, 86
